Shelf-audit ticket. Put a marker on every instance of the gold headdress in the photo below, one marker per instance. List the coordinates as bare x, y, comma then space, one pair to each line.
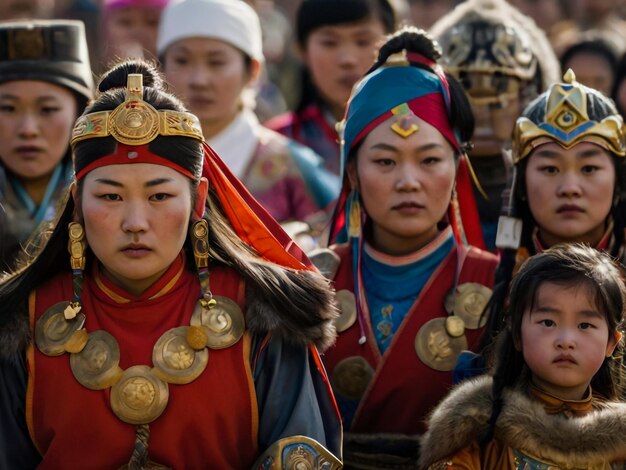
566, 121
136, 122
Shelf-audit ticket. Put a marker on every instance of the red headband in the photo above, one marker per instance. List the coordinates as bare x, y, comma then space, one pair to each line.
125, 154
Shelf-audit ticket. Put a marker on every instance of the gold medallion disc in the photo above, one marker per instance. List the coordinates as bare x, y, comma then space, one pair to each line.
96, 366
351, 376
347, 307
436, 348
52, 330
455, 326
224, 322
469, 304
139, 397
175, 361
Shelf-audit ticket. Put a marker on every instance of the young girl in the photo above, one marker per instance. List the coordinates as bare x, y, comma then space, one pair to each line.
409, 289
177, 330
211, 54
553, 398
45, 83
337, 40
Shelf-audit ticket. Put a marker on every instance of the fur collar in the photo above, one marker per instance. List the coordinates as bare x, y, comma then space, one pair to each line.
523, 424
297, 306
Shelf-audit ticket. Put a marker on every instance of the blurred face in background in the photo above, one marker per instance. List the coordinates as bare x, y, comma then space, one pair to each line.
592, 70
36, 119
546, 13
131, 32
210, 76
26, 9
337, 56
496, 105
595, 10
424, 13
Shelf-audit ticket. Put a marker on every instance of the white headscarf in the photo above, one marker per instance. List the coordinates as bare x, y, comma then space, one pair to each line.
232, 21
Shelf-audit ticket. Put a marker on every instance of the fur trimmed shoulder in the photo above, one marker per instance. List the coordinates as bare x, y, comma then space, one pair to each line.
457, 420
297, 306
523, 424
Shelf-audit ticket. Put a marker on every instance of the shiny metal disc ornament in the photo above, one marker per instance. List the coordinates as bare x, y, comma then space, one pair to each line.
97, 365
469, 304
347, 309
351, 377
436, 348
455, 326
175, 361
224, 322
52, 330
139, 397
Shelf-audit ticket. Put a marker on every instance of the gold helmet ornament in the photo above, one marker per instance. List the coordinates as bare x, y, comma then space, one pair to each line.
136, 122
569, 113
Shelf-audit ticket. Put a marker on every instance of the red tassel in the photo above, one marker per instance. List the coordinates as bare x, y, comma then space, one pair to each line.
470, 219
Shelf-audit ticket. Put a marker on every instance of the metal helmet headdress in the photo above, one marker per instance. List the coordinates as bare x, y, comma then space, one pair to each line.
492, 37
569, 113
134, 123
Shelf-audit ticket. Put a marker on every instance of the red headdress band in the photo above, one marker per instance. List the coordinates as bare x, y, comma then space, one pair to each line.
125, 154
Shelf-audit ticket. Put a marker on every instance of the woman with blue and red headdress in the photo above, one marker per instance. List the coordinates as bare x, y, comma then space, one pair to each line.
410, 290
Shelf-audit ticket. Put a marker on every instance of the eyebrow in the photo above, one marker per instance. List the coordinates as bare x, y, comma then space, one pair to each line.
385, 146
553, 310
590, 152
190, 50
147, 184
9, 96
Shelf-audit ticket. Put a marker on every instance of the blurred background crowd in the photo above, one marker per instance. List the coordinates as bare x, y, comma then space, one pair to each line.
587, 35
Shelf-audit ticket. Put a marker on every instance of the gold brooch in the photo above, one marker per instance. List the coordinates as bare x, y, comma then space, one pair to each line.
136, 122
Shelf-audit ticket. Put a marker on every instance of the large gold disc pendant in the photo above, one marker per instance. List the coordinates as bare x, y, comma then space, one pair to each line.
436, 348
347, 307
53, 331
175, 361
469, 304
139, 397
223, 322
351, 376
97, 365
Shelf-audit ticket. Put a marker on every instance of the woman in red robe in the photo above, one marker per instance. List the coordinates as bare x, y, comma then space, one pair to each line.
178, 332
411, 292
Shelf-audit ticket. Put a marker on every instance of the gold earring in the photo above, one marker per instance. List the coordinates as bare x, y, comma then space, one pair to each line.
354, 215
200, 243
77, 247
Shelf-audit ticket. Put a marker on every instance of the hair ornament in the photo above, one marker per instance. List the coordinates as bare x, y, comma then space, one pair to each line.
136, 122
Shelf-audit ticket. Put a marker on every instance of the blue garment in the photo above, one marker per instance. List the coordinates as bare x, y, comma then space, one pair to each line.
392, 289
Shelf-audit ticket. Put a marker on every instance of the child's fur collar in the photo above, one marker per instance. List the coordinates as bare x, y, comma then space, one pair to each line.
523, 424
